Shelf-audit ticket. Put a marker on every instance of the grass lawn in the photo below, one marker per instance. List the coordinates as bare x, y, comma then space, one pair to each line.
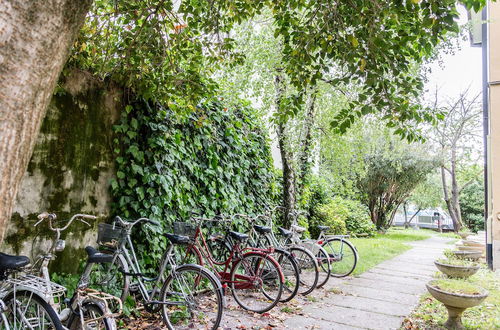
431, 314
374, 250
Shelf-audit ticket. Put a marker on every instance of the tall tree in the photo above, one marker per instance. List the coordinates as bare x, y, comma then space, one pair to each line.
457, 137
35, 39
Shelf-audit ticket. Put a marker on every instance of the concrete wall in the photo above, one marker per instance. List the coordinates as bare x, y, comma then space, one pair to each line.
70, 169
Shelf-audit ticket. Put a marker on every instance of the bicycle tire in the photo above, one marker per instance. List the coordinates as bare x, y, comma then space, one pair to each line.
200, 272
305, 260
111, 284
325, 268
289, 266
53, 318
95, 310
291, 273
338, 269
238, 287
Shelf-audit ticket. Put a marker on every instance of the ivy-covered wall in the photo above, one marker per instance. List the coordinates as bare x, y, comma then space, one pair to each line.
70, 169
213, 160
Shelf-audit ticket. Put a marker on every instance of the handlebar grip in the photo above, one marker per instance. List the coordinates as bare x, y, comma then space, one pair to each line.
88, 216
153, 222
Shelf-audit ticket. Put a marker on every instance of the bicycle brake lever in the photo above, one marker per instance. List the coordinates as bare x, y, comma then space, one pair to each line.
85, 222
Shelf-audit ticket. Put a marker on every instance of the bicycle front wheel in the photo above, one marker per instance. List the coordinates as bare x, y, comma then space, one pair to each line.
342, 255
93, 318
256, 282
26, 310
324, 266
291, 274
309, 269
191, 298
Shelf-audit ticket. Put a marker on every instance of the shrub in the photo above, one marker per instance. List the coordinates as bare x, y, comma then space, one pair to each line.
342, 215
332, 214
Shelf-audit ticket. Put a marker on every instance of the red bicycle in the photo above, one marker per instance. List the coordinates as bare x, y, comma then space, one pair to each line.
253, 275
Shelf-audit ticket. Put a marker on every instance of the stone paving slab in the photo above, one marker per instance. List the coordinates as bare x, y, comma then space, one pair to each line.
391, 272
367, 304
390, 296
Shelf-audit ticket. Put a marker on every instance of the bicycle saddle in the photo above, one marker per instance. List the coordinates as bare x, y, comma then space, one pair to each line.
262, 229
178, 239
323, 228
8, 261
97, 257
238, 236
298, 229
285, 232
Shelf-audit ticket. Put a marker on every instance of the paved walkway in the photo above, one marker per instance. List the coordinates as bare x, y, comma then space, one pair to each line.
378, 299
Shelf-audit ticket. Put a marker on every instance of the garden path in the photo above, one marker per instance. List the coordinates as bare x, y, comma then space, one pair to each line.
380, 298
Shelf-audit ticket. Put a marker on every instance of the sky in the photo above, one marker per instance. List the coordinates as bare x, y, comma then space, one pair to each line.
457, 71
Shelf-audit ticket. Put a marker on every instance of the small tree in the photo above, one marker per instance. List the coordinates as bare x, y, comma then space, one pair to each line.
457, 138
393, 169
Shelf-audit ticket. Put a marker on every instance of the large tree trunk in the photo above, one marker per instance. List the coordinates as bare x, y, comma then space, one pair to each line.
289, 183
307, 144
35, 38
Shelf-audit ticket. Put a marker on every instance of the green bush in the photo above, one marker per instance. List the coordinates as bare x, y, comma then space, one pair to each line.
342, 215
358, 220
332, 214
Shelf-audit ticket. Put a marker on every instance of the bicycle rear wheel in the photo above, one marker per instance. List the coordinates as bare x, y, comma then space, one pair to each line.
192, 298
93, 319
309, 269
26, 310
256, 282
342, 255
110, 278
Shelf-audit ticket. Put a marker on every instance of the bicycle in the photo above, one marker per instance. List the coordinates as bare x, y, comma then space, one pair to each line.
253, 275
306, 260
22, 297
318, 251
190, 296
87, 308
289, 265
342, 253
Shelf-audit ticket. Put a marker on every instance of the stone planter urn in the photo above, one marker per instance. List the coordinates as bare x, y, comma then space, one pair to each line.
455, 270
471, 255
467, 242
456, 303
464, 234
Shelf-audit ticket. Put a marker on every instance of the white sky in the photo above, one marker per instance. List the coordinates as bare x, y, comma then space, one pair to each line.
459, 70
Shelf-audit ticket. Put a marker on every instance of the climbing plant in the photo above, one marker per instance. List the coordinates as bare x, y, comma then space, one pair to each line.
213, 161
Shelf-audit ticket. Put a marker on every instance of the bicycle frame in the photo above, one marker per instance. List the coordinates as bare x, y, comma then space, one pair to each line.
202, 252
126, 249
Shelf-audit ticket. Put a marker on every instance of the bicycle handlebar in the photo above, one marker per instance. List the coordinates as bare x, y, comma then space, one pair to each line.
52, 216
130, 224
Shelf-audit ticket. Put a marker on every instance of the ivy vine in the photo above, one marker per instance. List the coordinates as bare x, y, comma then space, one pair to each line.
212, 161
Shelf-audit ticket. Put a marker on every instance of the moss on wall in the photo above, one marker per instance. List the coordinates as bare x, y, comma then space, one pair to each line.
70, 169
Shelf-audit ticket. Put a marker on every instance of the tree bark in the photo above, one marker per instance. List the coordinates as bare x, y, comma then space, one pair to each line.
289, 182
35, 39
307, 143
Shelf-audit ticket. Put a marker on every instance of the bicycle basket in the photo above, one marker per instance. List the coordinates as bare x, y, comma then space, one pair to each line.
184, 229
110, 235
